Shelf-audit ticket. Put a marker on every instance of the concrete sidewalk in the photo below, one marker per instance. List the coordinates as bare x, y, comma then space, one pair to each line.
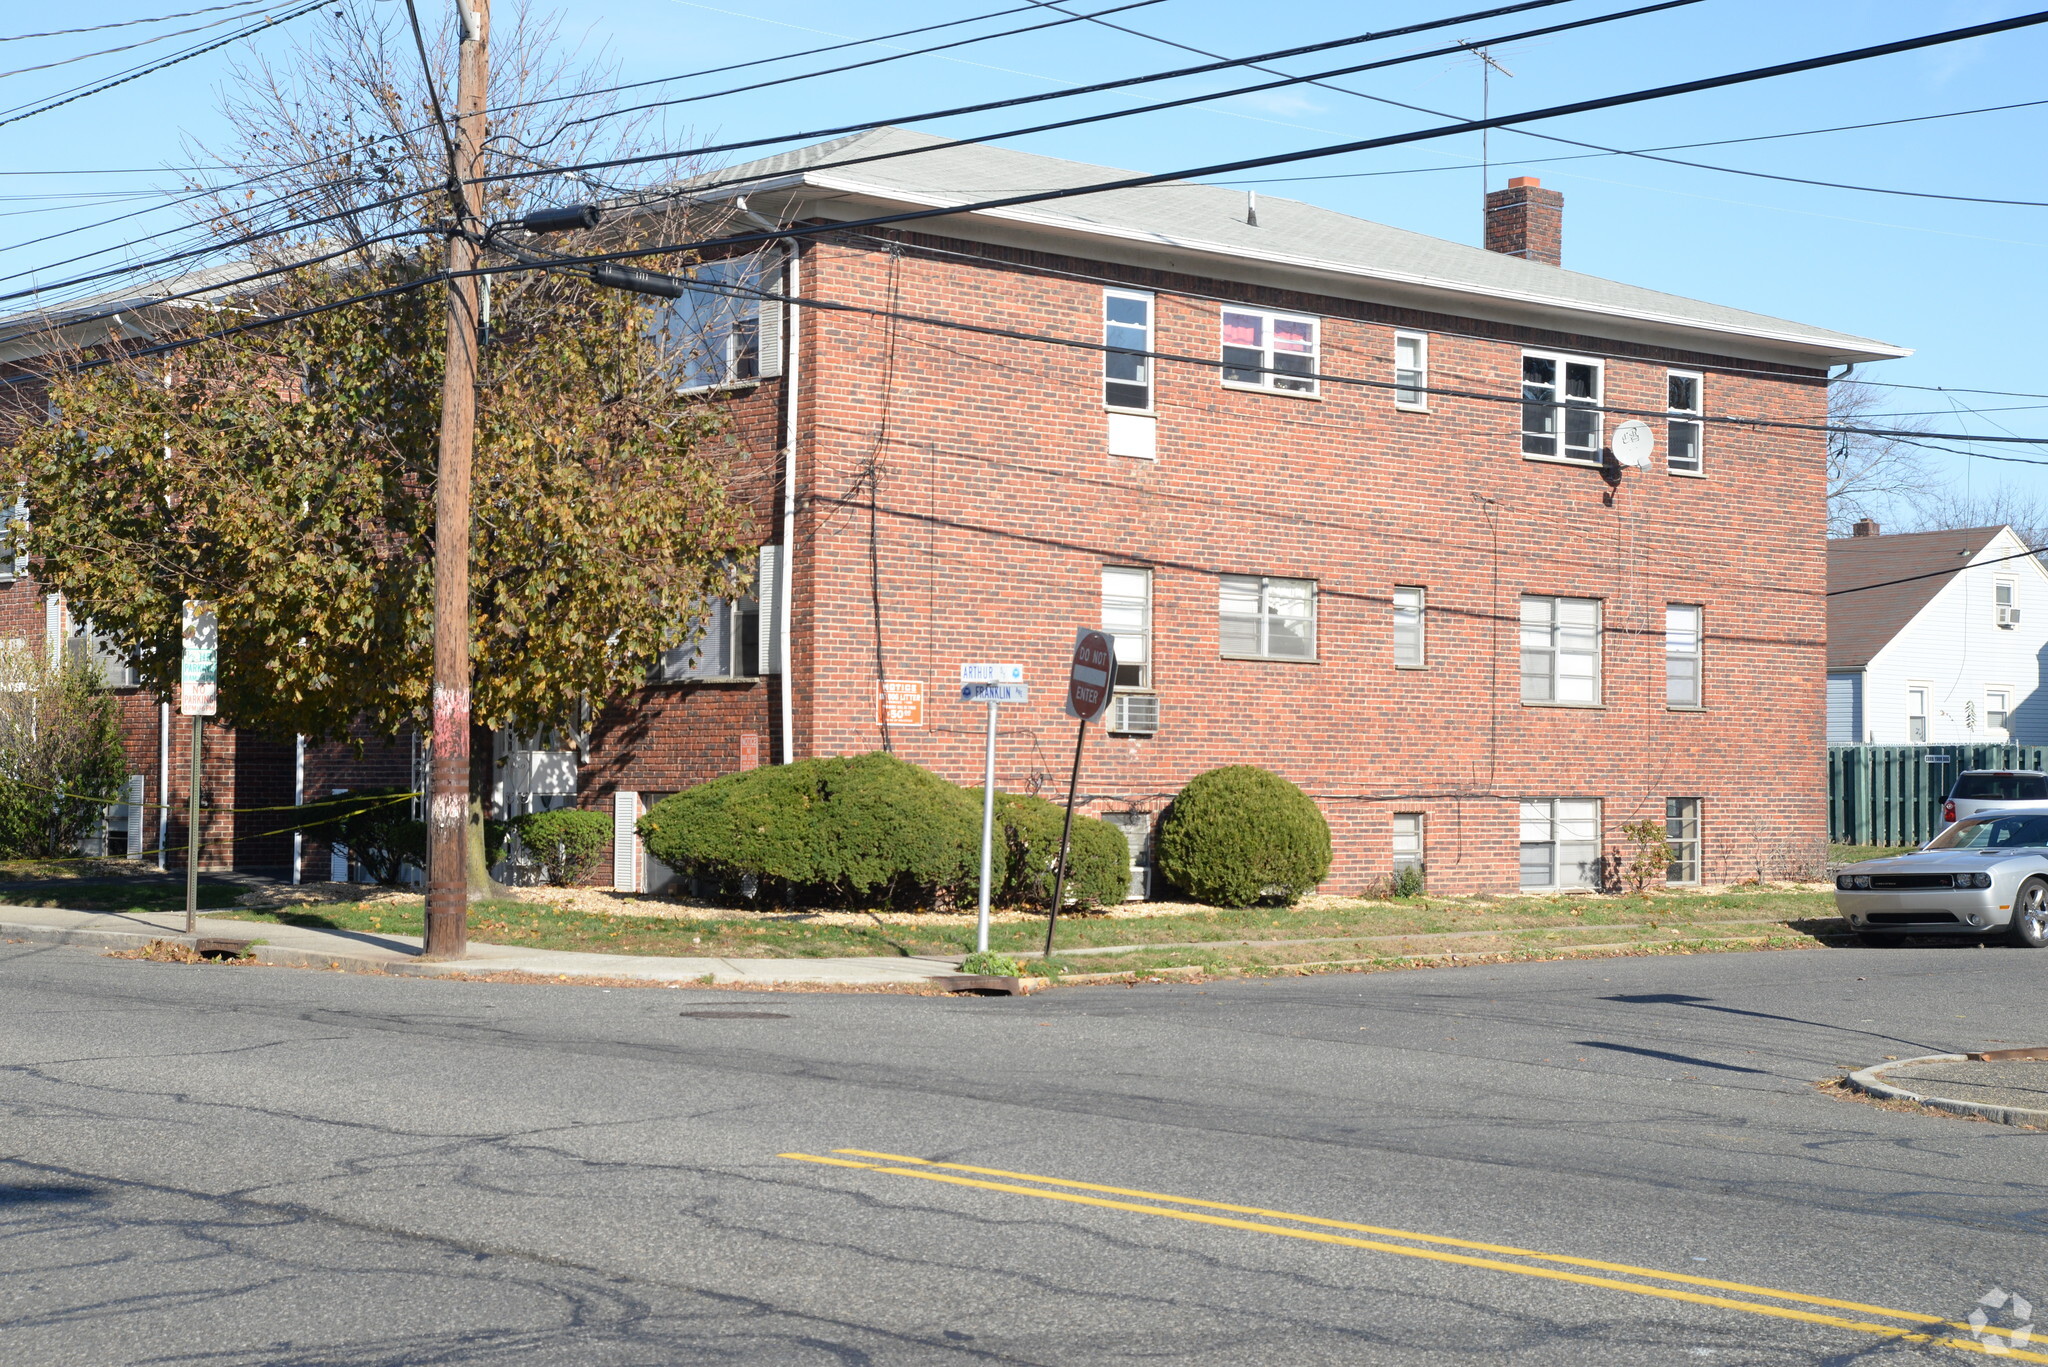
363, 952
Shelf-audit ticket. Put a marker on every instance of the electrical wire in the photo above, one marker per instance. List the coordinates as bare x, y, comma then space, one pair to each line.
1936, 574
804, 135
21, 112
129, 47
1604, 102
128, 23
1598, 148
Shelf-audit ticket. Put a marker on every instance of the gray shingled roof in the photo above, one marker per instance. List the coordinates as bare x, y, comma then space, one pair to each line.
1211, 218
1861, 624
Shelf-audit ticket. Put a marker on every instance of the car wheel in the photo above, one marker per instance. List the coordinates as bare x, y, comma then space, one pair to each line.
1877, 939
2029, 928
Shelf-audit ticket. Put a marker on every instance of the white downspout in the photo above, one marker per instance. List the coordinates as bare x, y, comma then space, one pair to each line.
298, 800
792, 334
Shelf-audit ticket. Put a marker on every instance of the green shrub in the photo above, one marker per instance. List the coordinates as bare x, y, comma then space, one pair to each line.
994, 965
380, 831
569, 842
1098, 857
864, 830
1239, 834
61, 759
1406, 882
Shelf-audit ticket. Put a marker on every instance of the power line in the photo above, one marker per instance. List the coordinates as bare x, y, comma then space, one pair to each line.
826, 132
1935, 574
127, 23
1600, 150
1644, 151
9, 117
126, 47
1604, 102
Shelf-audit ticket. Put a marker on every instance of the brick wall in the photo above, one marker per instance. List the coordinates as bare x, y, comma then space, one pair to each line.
963, 481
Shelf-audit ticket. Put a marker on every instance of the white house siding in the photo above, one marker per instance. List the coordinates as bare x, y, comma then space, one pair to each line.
1955, 649
1845, 708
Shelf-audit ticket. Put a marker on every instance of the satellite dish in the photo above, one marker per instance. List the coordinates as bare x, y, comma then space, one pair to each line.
1632, 443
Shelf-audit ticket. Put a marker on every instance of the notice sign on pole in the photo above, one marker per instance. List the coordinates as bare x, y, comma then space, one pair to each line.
900, 702
199, 677
1088, 681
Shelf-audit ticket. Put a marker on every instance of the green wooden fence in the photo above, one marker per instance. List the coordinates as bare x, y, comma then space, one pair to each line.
1891, 794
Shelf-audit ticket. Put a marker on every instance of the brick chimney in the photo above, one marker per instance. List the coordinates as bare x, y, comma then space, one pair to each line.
1866, 527
1526, 220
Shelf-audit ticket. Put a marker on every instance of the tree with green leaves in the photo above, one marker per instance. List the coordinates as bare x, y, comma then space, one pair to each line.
286, 472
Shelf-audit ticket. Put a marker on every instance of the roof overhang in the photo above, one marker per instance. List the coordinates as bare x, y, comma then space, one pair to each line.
812, 194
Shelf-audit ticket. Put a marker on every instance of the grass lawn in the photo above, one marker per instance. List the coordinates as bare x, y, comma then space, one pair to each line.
1324, 930
1850, 854
133, 895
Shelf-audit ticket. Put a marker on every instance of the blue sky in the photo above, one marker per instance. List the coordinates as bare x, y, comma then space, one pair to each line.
1960, 282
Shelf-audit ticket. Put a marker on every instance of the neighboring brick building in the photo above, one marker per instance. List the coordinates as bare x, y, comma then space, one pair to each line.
1417, 586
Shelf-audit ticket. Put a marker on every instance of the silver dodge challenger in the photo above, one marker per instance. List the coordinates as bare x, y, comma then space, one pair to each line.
1985, 875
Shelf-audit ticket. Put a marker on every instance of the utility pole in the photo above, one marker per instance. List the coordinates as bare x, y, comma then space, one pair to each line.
448, 776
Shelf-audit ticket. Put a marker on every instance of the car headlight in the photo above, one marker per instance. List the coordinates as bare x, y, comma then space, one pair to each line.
1851, 881
1973, 880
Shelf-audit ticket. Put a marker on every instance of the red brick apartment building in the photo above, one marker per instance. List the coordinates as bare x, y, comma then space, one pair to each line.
1343, 495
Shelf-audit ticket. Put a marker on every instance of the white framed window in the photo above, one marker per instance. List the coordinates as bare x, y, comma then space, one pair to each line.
1277, 351
1408, 851
1560, 407
1916, 716
1127, 375
1682, 834
1560, 650
728, 644
1998, 708
2005, 604
1264, 618
1127, 616
1411, 371
1683, 439
1411, 641
1560, 843
716, 335
1682, 623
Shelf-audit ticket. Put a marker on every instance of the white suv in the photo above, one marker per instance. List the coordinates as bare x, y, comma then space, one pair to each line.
1995, 790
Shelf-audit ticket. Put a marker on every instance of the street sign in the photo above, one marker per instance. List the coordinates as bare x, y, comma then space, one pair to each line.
991, 673
199, 676
1090, 679
900, 702
995, 692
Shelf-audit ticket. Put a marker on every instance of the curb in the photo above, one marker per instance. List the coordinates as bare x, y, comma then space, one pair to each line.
1871, 1080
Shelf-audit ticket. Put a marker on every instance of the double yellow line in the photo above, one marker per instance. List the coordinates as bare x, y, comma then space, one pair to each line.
1933, 1329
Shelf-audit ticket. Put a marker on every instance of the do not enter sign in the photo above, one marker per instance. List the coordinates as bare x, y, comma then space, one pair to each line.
1092, 678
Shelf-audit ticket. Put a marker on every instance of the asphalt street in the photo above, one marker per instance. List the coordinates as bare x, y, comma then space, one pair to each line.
1619, 1161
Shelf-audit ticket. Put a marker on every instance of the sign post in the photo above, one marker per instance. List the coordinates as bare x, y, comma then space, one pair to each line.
994, 684
1091, 679
198, 698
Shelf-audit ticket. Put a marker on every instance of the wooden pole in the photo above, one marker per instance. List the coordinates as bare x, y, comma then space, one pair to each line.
448, 776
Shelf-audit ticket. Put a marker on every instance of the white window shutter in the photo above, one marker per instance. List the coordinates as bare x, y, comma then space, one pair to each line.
770, 334
768, 593
53, 625
137, 794
625, 842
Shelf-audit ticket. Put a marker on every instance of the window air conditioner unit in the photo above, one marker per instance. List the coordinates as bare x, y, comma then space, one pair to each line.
2008, 617
1134, 714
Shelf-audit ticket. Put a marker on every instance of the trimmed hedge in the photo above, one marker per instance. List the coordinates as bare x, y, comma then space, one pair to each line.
568, 841
865, 830
1098, 857
1239, 834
